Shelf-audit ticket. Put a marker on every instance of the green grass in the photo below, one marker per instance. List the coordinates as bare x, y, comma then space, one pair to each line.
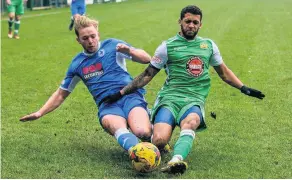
249, 139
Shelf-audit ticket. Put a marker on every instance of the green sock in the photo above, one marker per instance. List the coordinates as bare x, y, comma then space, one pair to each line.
10, 24
16, 27
184, 143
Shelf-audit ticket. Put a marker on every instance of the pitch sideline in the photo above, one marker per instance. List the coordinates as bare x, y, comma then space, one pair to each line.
35, 15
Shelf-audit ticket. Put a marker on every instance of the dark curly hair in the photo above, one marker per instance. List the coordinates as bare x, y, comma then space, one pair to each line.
191, 9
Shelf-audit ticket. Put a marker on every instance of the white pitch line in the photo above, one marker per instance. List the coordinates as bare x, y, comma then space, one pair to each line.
35, 15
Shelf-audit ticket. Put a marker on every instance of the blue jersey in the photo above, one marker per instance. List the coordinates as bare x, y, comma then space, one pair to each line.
103, 72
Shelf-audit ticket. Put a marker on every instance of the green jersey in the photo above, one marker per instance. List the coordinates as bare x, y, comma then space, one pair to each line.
186, 63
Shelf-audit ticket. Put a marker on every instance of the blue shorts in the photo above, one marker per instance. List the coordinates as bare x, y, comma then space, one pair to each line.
165, 116
123, 106
78, 8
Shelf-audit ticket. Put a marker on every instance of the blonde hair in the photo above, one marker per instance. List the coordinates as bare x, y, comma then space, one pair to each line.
83, 22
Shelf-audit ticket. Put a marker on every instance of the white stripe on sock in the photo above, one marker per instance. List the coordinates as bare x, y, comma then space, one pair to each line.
188, 132
120, 132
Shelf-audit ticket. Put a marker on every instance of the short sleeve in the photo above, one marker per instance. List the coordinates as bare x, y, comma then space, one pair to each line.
216, 58
70, 81
160, 56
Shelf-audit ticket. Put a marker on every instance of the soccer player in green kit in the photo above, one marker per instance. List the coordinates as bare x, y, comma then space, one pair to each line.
15, 10
186, 58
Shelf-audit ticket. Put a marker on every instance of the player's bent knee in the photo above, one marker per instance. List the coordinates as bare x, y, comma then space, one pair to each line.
143, 134
191, 122
159, 141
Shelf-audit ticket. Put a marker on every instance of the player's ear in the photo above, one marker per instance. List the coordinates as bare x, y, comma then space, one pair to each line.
179, 21
201, 24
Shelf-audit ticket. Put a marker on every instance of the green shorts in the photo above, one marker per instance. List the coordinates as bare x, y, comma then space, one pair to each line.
177, 107
16, 7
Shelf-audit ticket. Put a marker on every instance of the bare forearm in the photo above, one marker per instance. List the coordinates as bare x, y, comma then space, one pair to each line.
230, 78
140, 81
53, 102
140, 56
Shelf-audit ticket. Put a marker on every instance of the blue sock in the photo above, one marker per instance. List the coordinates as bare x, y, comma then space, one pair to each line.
125, 138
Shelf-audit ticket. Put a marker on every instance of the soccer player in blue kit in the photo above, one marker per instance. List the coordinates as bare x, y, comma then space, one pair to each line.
78, 8
102, 68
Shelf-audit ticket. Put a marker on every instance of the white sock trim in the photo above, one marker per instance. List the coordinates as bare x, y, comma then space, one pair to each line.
120, 132
188, 132
176, 158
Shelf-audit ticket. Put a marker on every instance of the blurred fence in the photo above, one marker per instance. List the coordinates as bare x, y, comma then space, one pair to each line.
47, 4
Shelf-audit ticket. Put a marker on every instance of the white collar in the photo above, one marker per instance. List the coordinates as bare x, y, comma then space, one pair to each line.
91, 54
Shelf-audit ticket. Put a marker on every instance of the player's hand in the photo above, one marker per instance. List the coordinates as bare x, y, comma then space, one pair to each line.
113, 98
8, 2
252, 92
31, 117
123, 48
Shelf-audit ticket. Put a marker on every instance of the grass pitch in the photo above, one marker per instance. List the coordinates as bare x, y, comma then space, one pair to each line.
249, 139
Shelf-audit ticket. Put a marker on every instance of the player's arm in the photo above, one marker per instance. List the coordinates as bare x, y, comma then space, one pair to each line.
56, 99
229, 77
157, 62
139, 82
138, 55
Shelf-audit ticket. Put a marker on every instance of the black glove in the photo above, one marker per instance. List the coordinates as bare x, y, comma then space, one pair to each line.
252, 92
112, 98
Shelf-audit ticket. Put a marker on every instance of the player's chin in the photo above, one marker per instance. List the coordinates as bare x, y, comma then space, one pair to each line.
191, 33
91, 49
190, 37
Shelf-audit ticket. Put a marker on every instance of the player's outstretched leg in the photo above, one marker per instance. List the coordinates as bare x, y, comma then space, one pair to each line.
175, 167
181, 149
117, 126
126, 139
138, 121
162, 129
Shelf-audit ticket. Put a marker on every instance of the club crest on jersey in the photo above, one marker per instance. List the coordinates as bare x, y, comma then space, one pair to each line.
92, 70
195, 66
203, 46
101, 53
156, 60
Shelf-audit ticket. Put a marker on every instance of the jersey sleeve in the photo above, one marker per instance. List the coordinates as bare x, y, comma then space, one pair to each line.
70, 81
216, 58
123, 55
160, 56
